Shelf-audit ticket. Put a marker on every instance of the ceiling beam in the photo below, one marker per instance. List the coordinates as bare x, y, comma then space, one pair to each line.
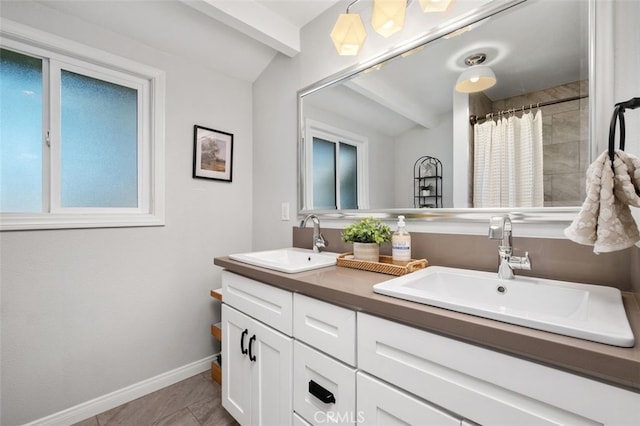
254, 20
386, 96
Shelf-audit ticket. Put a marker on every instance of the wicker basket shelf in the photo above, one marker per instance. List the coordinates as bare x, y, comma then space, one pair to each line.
385, 264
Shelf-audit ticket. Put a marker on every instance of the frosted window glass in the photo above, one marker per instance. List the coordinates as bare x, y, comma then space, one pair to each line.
99, 143
348, 168
324, 174
20, 133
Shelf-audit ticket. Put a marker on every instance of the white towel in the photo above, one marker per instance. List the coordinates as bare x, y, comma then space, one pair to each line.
605, 220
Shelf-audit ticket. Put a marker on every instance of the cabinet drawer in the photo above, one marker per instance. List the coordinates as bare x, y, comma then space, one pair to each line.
384, 405
478, 384
271, 305
324, 390
327, 327
299, 421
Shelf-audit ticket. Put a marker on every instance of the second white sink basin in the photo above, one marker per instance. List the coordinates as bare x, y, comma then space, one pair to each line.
590, 312
289, 260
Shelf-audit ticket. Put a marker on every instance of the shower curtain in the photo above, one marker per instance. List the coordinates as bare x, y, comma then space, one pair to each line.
507, 170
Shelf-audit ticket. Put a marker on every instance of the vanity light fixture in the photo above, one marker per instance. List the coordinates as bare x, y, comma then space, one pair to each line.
435, 5
348, 33
387, 17
477, 77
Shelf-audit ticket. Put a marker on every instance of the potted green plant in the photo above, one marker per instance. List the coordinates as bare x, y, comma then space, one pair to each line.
367, 235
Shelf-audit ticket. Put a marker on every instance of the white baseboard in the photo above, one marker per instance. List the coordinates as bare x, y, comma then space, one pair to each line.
114, 399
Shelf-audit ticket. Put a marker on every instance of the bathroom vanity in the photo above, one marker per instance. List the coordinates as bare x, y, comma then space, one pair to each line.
321, 347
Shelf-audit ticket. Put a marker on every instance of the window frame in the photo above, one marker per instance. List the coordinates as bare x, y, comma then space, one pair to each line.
317, 129
59, 53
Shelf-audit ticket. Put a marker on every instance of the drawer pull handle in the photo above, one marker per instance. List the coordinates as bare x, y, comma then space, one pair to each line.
242, 348
251, 356
321, 393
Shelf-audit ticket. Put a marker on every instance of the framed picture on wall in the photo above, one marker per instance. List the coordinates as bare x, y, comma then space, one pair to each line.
212, 154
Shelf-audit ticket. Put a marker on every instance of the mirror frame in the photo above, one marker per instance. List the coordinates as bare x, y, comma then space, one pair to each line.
539, 215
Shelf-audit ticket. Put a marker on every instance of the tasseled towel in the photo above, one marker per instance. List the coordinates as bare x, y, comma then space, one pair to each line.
605, 220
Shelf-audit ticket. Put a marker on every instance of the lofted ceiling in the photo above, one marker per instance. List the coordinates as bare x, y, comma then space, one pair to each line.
211, 32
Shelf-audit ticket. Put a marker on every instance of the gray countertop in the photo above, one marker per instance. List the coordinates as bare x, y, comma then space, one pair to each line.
353, 289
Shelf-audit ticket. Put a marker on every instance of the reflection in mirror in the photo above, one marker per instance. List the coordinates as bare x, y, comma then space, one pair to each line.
524, 142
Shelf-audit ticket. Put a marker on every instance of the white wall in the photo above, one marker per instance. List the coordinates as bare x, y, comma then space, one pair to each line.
89, 312
415, 143
627, 67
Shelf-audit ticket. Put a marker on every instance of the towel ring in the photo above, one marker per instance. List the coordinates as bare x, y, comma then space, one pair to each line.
618, 115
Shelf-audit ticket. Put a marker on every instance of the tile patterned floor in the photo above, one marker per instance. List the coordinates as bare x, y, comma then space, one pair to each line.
191, 402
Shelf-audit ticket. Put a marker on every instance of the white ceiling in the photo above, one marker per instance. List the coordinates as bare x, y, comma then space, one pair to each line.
298, 12
211, 32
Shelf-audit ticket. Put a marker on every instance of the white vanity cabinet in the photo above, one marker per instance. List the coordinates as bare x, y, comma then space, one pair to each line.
257, 355
289, 359
484, 386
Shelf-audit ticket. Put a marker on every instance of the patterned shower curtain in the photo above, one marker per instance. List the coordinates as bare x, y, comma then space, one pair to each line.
507, 169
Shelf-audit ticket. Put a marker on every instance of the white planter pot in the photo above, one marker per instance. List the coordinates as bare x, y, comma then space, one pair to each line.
366, 251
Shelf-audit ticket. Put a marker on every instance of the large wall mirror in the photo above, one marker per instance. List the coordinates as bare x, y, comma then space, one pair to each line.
365, 133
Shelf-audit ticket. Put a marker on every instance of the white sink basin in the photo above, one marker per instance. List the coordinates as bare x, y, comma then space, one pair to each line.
289, 260
585, 311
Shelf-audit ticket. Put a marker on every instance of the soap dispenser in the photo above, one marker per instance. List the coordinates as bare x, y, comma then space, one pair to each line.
401, 244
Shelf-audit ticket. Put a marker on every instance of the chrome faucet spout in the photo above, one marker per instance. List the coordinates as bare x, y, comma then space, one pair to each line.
318, 240
500, 228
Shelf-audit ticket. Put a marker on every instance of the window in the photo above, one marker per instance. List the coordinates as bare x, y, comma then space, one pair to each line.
337, 168
81, 140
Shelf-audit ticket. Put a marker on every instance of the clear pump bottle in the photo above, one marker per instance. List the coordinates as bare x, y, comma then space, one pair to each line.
401, 244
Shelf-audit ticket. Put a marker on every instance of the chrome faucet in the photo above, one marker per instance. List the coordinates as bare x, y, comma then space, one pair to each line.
500, 229
318, 239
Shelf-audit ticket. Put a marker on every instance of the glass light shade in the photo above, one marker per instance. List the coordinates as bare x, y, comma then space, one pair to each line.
476, 79
434, 5
348, 34
388, 16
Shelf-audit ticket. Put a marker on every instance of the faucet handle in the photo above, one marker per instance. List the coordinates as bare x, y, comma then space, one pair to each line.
521, 262
320, 242
496, 227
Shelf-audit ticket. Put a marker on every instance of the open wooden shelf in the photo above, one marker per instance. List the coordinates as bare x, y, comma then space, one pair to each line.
217, 294
216, 370
216, 331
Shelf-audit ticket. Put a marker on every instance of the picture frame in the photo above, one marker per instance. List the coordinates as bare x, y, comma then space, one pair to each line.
212, 154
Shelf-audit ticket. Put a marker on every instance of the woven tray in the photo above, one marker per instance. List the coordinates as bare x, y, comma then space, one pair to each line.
384, 265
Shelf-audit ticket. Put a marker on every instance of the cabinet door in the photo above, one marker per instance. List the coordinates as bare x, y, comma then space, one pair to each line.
383, 405
236, 366
272, 389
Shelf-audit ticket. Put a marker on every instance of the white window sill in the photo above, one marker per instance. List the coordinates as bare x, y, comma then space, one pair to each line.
20, 222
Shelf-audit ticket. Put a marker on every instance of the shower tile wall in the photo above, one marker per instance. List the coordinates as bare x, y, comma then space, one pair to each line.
565, 138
